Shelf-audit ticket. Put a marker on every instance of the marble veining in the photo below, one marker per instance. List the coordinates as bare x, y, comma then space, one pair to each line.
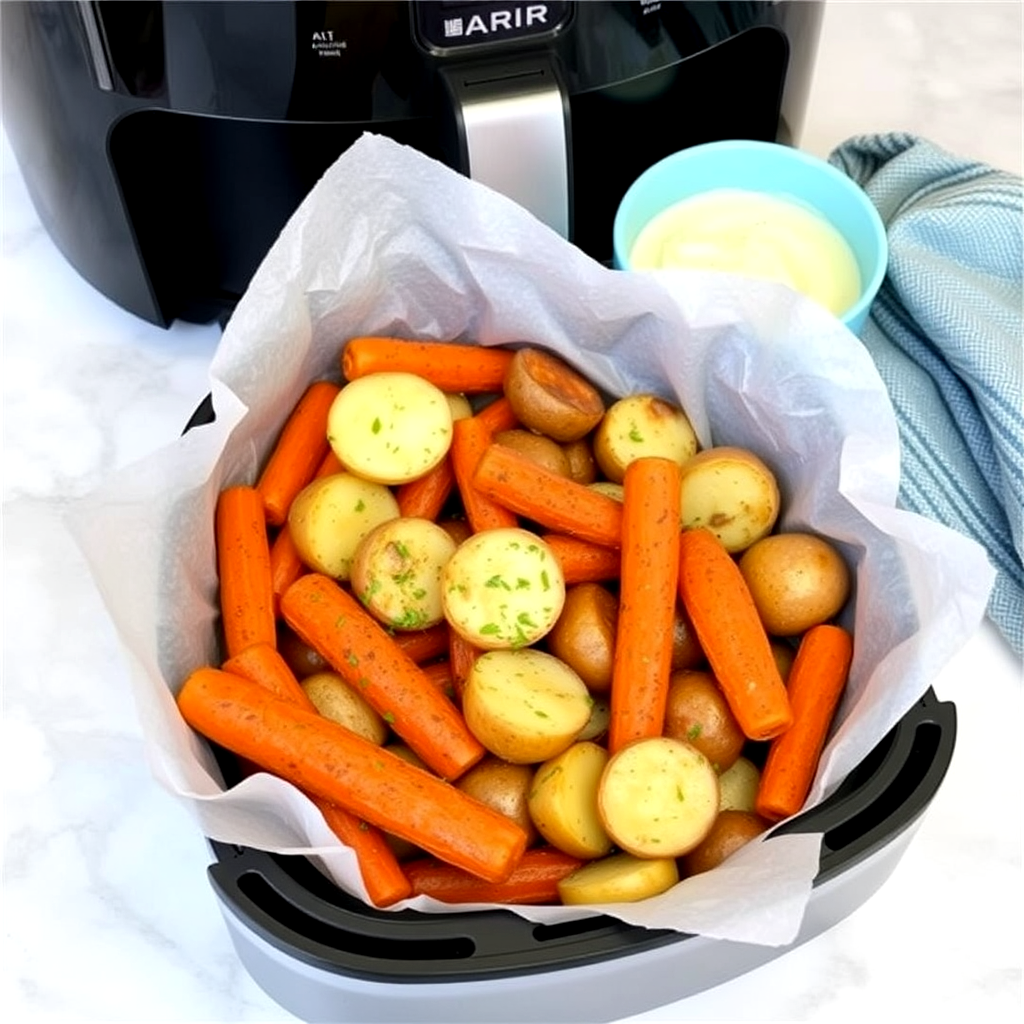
107, 912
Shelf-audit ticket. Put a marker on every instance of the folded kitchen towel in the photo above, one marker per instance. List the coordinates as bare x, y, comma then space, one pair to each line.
947, 335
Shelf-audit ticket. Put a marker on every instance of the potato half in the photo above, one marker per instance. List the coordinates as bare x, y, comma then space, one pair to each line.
396, 572
658, 797
390, 427
337, 700
524, 706
731, 492
563, 801
640, 425
620, 878
329, 517
502, 589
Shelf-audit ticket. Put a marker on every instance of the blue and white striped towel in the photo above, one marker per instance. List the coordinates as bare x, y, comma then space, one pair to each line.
947, 335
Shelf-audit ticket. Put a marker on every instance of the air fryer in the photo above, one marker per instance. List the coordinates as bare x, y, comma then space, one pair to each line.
165, 145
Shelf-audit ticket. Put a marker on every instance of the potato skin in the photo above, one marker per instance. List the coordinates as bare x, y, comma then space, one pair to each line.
797, 580
731, 830
337, 700
505, 787
582, 464
697, 711
540, 449
584, 634
549, 397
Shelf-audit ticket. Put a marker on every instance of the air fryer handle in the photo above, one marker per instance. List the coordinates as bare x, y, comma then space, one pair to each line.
510, 124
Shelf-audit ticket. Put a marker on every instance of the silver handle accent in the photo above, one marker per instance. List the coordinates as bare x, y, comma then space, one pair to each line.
94, 45
512, 123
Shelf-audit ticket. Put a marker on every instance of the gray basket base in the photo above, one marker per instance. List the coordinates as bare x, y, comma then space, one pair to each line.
600, 992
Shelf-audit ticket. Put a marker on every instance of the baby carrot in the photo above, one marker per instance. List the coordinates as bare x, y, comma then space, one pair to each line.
534, 879
382, 875
556, 502
423, 644
451, 367
285, 564
583, 562
261, 663
462, 657
333, 622
424, 497
440, 674
243, 565
298, 452
328, 761
730, 632
649, 578
816, 682
470, 439
499, 415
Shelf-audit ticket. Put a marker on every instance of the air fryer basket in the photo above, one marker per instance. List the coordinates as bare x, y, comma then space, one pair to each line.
291, 906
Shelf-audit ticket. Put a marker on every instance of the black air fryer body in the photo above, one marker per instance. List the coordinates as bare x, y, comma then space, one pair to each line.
166, 144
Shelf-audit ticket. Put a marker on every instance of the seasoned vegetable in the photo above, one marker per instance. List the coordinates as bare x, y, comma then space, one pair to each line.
620, 878
642, 425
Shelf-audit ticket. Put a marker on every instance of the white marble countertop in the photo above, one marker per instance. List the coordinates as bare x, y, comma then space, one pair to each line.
107, 912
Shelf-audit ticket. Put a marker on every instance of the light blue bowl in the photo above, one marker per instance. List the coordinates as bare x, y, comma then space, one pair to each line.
762, 167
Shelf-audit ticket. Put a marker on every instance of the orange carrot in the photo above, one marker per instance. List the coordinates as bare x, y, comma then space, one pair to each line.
534, 880
385, 883
382, 875
462, 656
470, 439
332, 621
424, 497
647, 597
582, 561
298, 452
499, 415
328, 761
243, 565
730, 632
423, 644
451, 367
440, 674
556, 502
285, 564
816, 682
263, 664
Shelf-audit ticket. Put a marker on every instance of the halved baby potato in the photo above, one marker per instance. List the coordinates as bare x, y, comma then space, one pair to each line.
563, 801
620, 878
337, 700
396, 572
390, 427
737, 786
658, 797
502, 589
524, 706
640, 425
330, 516
504, 787
731, 492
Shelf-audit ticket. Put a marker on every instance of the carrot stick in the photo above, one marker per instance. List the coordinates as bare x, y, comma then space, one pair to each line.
385, 883
243, 565
440, 674
332, 621
470, 439
816, 682
423, 644
382, 875
534, 879
462, 657
583, 562
328, 761
556, 502
263, 664
285, 564
470, 369
730, 632
647, 597
499, 415
424, 497
298, 452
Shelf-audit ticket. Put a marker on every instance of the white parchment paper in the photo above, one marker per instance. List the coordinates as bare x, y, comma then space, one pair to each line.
391, 242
